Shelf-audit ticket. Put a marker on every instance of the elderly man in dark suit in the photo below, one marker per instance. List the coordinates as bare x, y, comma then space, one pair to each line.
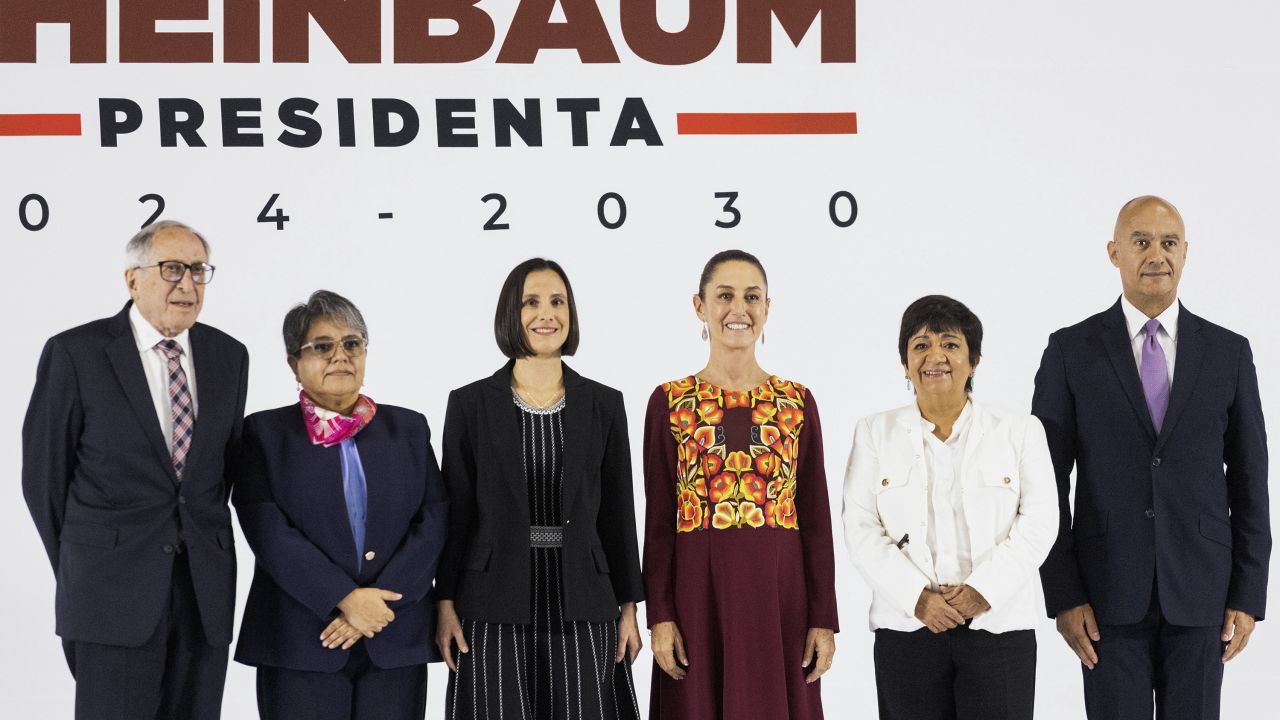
1161, 577
132, 426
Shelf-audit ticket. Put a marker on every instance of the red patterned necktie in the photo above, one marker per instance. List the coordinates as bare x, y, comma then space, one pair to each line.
181, 409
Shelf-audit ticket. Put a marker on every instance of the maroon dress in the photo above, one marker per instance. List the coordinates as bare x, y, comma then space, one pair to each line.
737, 547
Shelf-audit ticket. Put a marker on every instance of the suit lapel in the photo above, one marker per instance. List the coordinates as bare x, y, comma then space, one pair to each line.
322, 469
506, 442
909, 436
382, 485
1186, 370
978, 426
122, 353
1115, 337
577, 420
211, 384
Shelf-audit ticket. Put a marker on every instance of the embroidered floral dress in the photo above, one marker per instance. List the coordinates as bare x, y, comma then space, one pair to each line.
738, 548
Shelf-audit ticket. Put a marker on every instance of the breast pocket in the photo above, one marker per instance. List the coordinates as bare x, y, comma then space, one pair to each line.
1008, 481
996, 498
895, 502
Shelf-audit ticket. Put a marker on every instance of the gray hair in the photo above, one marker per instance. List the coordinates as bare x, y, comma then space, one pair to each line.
137, 252
323, 304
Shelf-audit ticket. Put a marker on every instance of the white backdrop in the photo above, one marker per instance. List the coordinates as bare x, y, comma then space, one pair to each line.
996, 142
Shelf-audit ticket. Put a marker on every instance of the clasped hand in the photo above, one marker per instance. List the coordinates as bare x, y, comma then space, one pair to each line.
364, 612
941, 611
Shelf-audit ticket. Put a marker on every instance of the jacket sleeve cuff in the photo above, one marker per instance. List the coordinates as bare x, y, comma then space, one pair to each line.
993, 588
658, 612
1257, 608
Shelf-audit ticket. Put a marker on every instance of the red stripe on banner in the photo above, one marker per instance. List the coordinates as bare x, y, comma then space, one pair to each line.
767, 123
13, 125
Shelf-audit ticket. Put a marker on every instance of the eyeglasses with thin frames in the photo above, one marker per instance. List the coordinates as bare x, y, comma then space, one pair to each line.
353, 345
173, 270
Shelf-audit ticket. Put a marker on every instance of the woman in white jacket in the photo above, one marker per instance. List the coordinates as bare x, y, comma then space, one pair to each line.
950, 506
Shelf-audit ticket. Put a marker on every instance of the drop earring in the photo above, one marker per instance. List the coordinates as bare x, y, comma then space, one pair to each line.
704, 331
904, 377
299, 386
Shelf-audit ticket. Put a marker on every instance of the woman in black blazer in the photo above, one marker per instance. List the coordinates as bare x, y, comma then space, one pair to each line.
344, 506
540, 577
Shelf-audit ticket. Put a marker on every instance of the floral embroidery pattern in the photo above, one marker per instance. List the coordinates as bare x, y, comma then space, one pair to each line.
719, 489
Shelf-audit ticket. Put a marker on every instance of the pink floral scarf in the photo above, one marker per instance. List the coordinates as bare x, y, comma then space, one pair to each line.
334, 430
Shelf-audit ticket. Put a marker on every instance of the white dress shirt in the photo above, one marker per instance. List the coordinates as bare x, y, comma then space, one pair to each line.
948, 535
1167, 335
156, 368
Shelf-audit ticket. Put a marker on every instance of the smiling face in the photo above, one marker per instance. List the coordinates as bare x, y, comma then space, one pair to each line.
938, 364
544, 313
734, 304
170, 307
333, 383
1149, 248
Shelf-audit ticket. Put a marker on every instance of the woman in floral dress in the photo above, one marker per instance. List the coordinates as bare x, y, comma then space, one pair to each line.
738, 561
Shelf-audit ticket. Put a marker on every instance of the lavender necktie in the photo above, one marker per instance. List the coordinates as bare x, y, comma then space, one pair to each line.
1155, 374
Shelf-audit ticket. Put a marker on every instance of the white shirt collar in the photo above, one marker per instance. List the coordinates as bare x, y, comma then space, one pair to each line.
957, 429
145, 334
1136, 319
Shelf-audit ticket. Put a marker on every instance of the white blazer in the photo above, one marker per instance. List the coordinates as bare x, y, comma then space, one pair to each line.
1010, 504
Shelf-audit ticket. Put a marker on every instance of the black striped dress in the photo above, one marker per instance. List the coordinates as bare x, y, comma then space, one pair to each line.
551, 669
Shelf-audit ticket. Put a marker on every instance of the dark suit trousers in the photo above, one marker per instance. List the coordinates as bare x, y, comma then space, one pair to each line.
176, 675
359, 691
1179, 668
961, 674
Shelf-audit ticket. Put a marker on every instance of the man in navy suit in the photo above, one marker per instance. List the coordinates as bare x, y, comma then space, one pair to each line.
1163, 573
131, 428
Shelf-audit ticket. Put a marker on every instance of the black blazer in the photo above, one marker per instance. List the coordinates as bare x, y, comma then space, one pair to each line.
99, 481
1149, 504
485, 567
293, 512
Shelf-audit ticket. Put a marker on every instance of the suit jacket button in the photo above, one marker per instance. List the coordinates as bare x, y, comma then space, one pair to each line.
884, 482
566, 522
370, 555
182, 499
168, 549
1150, 514
1006, 480
1155, 462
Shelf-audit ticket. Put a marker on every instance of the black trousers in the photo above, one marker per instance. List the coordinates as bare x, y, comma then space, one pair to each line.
175, 675
1152, 665
961, 674
359, 691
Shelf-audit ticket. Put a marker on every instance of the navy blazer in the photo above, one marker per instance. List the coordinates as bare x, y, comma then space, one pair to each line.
291, 506
485, 569
99, 481
1155, 507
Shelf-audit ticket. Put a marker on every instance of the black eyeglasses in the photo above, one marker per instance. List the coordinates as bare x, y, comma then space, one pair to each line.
173, 270
323, 349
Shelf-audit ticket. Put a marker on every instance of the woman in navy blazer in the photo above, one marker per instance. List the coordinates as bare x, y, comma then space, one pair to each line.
343, 504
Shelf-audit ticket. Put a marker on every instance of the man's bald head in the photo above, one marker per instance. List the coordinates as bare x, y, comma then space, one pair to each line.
1149, 247
1142, 206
